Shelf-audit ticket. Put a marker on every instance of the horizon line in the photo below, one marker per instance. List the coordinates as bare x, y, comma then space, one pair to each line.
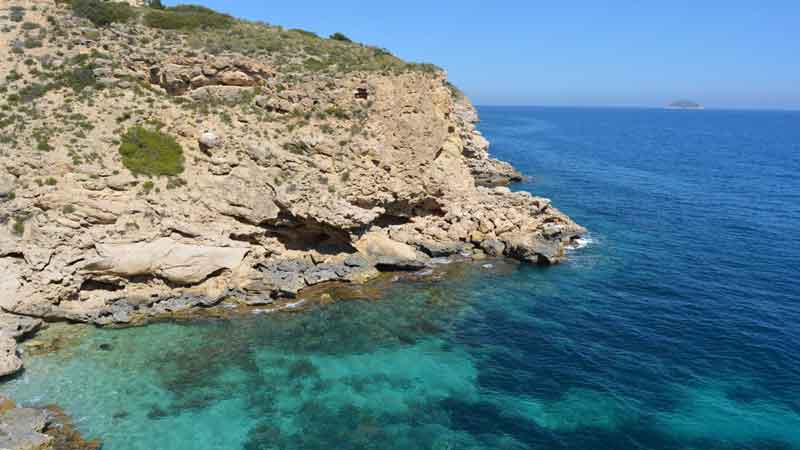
705, 108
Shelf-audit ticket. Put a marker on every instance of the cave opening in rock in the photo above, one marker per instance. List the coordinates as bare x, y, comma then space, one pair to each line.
92, 284
308, 234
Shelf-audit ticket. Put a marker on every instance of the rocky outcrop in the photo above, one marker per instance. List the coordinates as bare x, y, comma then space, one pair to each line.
23, 428
294, 173
177, 75
18, 327
486, 170
10, 362
182, 264
12, 329
27, 428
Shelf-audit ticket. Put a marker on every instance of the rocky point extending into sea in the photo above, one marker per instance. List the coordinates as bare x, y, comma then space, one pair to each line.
150, 170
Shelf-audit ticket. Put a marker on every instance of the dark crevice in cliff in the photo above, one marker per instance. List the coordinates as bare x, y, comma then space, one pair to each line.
297, 233
406, 209
100, 285
387, 220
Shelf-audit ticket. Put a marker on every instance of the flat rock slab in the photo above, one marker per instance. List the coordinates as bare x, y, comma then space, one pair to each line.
22, 429
171, 260
14, 326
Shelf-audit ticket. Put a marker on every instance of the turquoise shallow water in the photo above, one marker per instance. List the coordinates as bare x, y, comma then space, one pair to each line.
675, 328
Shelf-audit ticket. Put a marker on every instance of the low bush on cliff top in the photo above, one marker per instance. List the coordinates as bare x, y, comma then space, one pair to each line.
340, 37
102, 13
187, 17
150, 152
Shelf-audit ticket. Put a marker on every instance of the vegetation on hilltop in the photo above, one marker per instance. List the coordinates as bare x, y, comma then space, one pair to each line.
187, 17
209, 31
102, 13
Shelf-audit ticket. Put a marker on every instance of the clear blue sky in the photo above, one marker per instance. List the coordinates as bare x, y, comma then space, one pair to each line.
719, 53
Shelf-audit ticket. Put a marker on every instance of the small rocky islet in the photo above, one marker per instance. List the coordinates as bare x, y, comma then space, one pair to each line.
151, 167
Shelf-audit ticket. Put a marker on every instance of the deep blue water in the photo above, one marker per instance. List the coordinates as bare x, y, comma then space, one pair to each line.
678, 327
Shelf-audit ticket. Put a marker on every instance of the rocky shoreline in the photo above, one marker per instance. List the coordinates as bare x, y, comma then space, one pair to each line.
32, 428
285, 179
149, 172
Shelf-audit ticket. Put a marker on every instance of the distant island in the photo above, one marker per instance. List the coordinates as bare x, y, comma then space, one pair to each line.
684, 104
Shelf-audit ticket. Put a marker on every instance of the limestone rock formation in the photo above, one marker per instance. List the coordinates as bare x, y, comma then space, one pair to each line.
295, 161
23, 428
10, 362
29, 428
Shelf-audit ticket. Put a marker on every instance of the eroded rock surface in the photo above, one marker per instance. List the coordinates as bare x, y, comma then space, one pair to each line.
28, 428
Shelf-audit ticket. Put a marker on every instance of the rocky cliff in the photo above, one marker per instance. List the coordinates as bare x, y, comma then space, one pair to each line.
165, 159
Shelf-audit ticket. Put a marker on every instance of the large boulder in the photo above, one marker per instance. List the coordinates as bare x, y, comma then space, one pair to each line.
493, 247
532, 248
376, 245
174, 261
15, 326
23, 428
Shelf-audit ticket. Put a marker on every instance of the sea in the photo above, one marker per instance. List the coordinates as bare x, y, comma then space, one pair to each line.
674, 325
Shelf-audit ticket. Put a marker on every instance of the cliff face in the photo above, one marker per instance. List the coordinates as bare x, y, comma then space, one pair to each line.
292, 170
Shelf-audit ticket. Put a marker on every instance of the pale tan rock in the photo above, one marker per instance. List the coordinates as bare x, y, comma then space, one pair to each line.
377, 244
174, 261
235, 78
10, 362
23, 429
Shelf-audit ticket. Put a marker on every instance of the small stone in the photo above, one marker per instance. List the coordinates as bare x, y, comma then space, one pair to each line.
209, 140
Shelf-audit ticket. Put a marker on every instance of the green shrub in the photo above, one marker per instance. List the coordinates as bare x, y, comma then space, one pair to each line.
30, 42
32, 92
68, 209
30, 26
340, 37
305, 33
102, 13
79, 78
187, 17
337, 112
150, 152
51, 181
19, 226
16, 13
